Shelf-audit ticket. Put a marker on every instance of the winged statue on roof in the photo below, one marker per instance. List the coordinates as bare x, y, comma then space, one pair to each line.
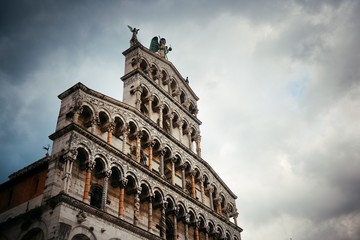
159, 47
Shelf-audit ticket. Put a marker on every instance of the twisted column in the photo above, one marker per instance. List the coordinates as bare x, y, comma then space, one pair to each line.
105, 188
193, 191
198, 148
137, 206
138, 146
187, 221
69, 157
125, 139
211, 190
151, 145
138, 92
161, 115
150, 214
163, 220
162, 153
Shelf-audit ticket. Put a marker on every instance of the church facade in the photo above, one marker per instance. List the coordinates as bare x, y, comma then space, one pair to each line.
128, 169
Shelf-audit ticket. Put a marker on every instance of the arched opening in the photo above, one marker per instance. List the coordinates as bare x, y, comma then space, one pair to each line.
144, 101
198, 182
82, 158
129, 199
154, 72
167, 164
157, 213
169, 229
164, 77
144, 66
173, 88
188, 185
80, 237
166, 118
182, 97
192, 224
103, 121
145, 143
86, 117
119, 127
156, 156
192, 109
202, 227
96, 195
34, 234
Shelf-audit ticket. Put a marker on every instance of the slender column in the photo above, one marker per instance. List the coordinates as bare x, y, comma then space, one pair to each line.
89, 168
151, 154
150, 214
193, 191
105, 189
94, 123
138, 145
183, 176
181, 123
235, 218
162, 153
151, 99
138, 97
137, 206
123, 183
198, 148
196, 231
161, 115
175, 225
110, 132
171, 123
163, 220
173, 161
125, 139
69, 157
190, 142
219, 210
202, 190
187, 220
206, 233
211, 189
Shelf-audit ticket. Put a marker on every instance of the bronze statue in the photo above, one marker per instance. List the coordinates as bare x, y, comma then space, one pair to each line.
159, 47
133, 39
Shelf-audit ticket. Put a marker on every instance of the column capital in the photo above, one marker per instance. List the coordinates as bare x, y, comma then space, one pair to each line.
90, 165
139, 134
210, 189
70, 155
123, 182
138, 190
107, 174
164, 204
111, 127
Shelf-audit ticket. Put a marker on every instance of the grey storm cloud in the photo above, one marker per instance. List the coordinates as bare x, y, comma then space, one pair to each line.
278, 83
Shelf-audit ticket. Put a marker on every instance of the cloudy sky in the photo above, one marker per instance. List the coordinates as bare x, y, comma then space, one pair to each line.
279, 88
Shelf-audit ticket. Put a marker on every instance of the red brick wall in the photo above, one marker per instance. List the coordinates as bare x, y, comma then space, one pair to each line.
22, 189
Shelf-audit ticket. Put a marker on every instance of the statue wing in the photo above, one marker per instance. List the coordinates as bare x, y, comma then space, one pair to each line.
131, 29
154, 45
